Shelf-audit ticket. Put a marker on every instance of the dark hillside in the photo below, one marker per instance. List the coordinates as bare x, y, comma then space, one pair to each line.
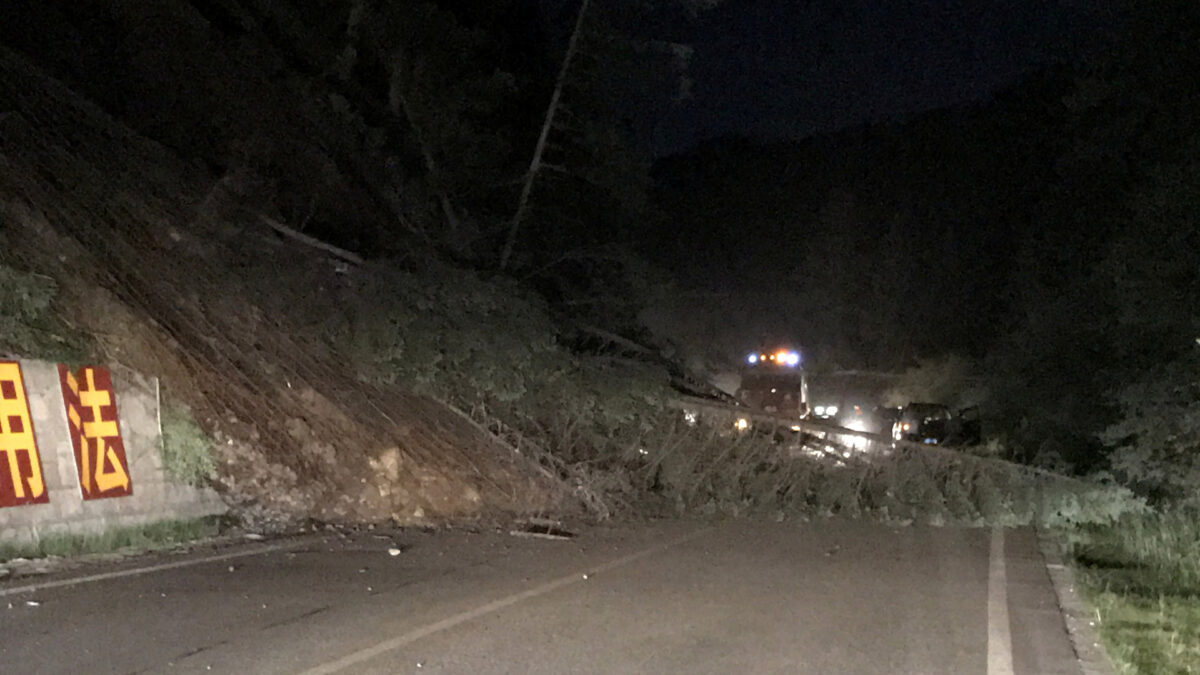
174, 278
913, 226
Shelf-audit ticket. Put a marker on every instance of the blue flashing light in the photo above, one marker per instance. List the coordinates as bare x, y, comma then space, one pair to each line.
753, 359
793, 359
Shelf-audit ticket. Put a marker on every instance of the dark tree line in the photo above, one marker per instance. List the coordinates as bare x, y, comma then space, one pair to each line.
1051, 234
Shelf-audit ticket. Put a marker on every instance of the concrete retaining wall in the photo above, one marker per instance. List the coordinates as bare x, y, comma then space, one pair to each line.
72, 502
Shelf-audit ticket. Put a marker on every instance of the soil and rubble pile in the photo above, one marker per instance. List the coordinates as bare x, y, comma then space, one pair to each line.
159, 263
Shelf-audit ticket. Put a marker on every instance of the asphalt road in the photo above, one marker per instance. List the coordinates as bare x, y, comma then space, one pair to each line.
676, 597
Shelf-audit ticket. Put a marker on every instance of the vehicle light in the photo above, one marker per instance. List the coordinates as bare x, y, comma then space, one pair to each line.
831, 410
753, 359
795, 427
742, 424
793, 359
820, 410
906, 426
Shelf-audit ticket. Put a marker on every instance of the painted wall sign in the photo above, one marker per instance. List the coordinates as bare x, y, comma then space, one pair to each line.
21, 480
92, 418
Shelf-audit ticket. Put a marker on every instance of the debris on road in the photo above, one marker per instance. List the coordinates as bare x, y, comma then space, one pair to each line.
542, 530
24, 567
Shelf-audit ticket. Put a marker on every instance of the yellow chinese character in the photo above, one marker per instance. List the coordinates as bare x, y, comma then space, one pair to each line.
16, 433
95, 434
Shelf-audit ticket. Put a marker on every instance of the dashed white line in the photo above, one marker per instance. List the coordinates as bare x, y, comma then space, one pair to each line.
999, 643
411, 636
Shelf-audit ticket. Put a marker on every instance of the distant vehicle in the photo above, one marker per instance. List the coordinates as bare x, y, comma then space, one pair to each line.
922, 423
851, 398
937, 424
774, 382
860, 417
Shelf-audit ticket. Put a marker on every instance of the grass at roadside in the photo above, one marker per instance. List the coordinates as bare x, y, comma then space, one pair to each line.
139, 538
1142, 576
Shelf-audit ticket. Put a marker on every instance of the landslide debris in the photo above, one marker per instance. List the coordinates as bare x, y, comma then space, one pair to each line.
174, 277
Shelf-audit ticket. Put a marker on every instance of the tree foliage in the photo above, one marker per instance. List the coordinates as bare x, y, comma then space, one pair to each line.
29, 326
1156, 442
477, 342
1154, 283
1100, 362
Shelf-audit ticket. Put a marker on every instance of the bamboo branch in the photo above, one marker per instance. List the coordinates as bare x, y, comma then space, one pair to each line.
311, 241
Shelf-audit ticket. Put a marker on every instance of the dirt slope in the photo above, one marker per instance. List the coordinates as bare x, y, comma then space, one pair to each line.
175, 278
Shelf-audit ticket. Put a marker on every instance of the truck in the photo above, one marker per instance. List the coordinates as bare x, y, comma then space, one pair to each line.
773, 381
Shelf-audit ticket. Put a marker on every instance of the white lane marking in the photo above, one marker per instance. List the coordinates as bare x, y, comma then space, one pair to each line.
356, 658
999, 651
62, 583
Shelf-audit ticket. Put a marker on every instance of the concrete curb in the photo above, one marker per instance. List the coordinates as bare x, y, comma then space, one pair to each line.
148, 562
1079, 619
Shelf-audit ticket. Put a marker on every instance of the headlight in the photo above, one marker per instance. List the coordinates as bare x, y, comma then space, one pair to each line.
831, 410
742, 424
819, 410
753, 359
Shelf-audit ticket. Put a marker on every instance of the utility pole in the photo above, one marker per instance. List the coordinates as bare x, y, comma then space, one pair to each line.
535, 163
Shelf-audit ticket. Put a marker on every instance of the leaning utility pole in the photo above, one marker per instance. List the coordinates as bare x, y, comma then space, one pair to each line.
535, 164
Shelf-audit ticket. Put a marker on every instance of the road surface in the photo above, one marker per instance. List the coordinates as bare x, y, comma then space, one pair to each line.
671, 597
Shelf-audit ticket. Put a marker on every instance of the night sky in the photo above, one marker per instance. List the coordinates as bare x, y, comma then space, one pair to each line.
773, 69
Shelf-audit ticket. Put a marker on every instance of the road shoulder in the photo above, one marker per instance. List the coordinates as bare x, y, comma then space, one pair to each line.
1078, 618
